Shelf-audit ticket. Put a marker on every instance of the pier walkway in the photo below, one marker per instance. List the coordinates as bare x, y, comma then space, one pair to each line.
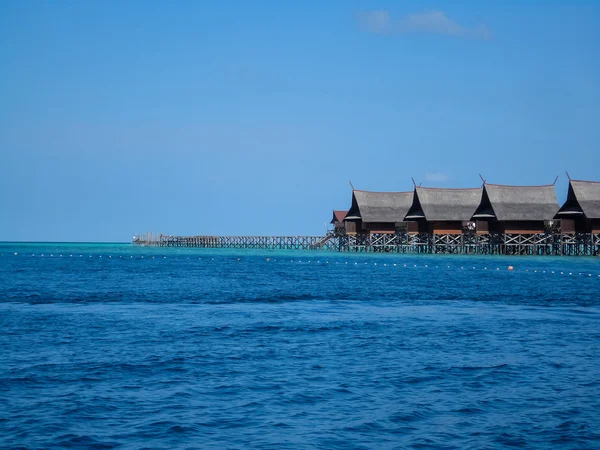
580, 244
247, 242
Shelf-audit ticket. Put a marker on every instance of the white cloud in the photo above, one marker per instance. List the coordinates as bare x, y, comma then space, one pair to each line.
436, 22
436, 177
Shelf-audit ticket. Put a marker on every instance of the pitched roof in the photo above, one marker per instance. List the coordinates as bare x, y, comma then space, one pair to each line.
444, 204
338, 216
518, 203
385, 207
583, 197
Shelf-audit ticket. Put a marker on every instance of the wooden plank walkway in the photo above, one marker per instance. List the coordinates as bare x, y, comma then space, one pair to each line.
500, 244
241, 242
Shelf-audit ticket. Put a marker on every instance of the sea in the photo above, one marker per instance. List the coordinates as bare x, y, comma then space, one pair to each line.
115, 346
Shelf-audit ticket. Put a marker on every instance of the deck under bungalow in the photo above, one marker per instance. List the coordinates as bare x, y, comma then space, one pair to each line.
515, 209
443, 210
581, 211
377, 212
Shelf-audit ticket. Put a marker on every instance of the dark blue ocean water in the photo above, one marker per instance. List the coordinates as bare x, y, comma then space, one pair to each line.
107, 346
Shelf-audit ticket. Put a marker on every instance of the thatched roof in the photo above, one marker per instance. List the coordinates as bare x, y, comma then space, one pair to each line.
517, 203
387, 207
443, 204
338, 216
583, 198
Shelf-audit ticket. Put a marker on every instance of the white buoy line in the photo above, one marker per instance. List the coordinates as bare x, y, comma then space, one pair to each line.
326, 262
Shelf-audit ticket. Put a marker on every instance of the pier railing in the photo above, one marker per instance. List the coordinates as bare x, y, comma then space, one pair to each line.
467, 243
249, 242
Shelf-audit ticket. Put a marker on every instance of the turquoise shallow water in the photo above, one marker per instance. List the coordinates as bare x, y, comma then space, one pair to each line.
109, 345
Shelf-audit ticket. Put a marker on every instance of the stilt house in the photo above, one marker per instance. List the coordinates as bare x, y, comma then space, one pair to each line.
515, 209
581, 211
442, 210
377, 212
338, 221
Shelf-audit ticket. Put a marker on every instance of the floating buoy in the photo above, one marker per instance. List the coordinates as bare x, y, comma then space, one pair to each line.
511, 268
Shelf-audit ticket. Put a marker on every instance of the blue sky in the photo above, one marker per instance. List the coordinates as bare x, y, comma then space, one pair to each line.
191, 117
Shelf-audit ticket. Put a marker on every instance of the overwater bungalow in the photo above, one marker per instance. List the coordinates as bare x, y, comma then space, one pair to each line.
515, 209
581, 211
442, 210
377, 212
338, 221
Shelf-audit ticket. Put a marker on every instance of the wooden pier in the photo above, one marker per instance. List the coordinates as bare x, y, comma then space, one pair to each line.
241, 242
554, 243
493, 219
